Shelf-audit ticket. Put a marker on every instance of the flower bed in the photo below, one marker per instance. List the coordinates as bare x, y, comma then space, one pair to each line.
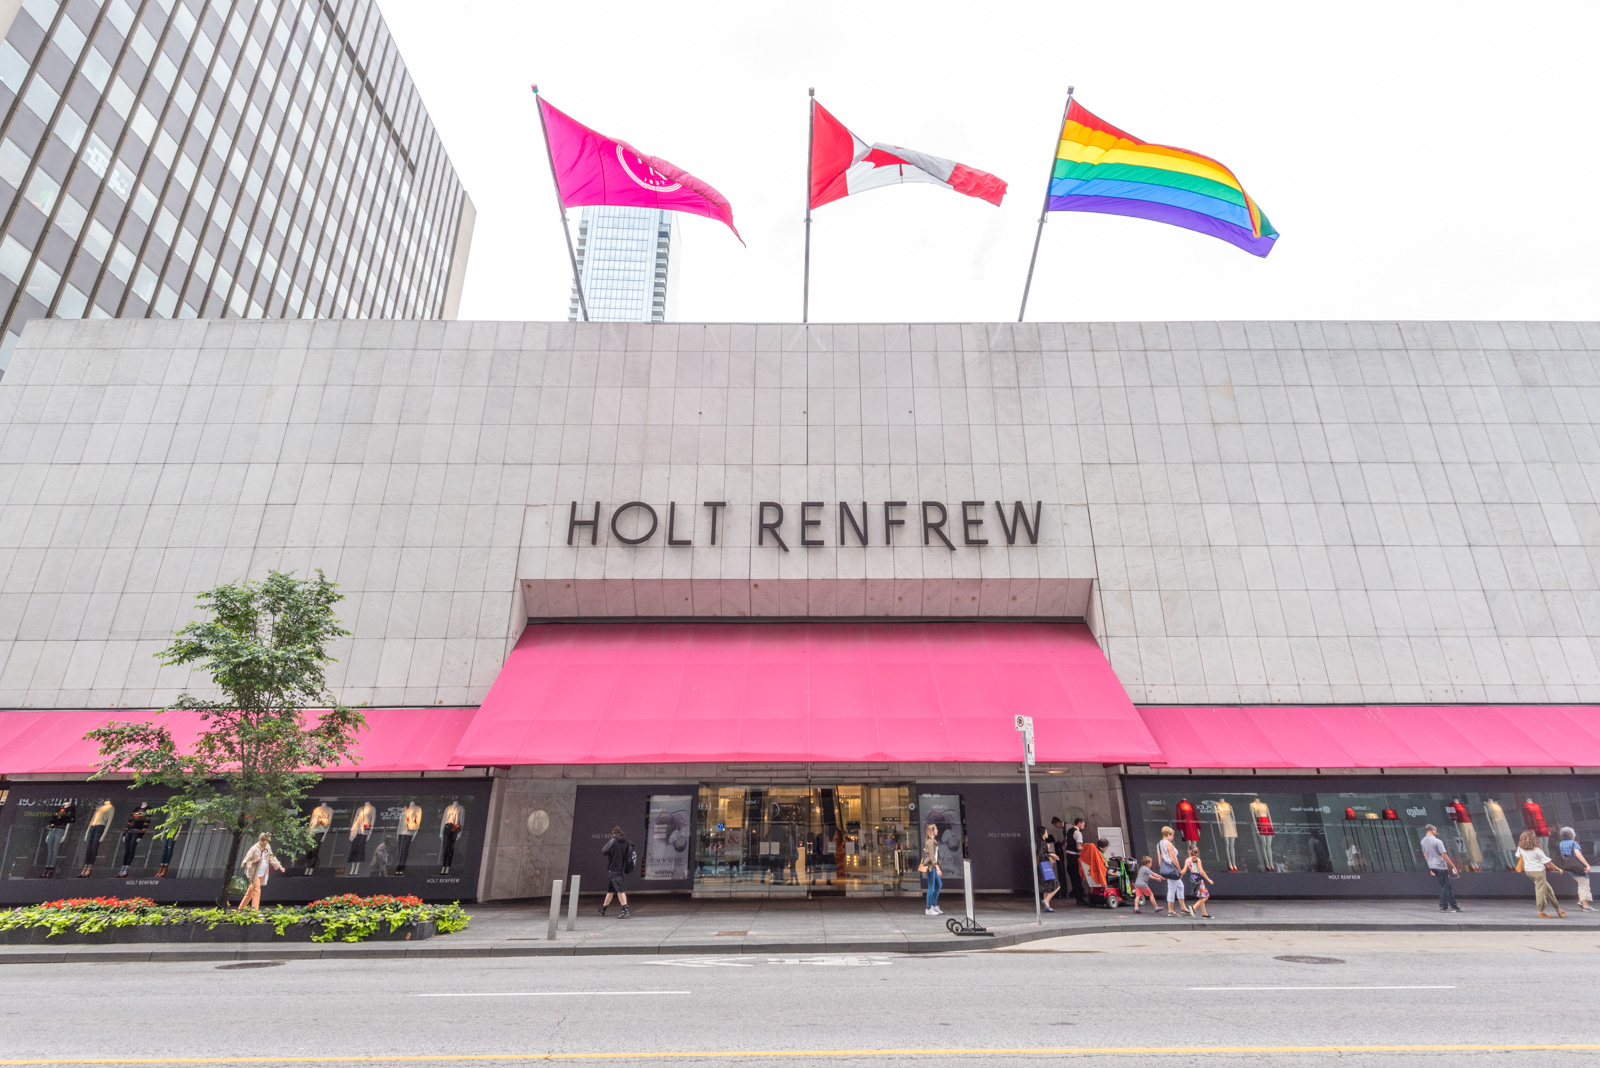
346, 918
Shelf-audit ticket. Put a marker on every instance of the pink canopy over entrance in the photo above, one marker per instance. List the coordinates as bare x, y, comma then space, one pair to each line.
51, 742
624, 693
1374, 736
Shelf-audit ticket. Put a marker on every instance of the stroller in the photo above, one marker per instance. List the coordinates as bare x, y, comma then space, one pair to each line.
1118, 888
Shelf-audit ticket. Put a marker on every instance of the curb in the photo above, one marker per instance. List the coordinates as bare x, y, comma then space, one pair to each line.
908, 947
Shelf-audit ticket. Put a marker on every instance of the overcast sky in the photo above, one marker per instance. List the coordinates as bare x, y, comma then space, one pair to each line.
1419, 160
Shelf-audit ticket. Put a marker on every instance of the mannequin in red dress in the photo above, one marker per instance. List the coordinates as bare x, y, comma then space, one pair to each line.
1188, 822
1533, 820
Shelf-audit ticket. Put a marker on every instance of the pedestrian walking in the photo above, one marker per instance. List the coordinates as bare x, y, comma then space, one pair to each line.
1195, 871
1141, 886
1441, 866
258, 863
1071, 855
1532, 862
620, 861
1575, 864
1049, 869
1171, 873
930, 871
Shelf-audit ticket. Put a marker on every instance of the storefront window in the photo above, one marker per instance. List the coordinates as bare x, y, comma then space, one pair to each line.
799, 839
1354, 826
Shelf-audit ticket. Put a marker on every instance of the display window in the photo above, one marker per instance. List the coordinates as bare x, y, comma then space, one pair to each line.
426, 836
1356, 827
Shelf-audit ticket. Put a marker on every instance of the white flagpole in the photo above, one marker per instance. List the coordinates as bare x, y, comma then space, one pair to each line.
556, 182
811, 140
1045, 212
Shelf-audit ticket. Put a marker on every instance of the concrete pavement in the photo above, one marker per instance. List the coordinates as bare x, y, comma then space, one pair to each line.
853, 925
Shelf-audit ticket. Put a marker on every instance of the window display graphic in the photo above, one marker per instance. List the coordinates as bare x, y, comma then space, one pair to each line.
319, 823
944, 812
1355, 826
410, 824
667, 846
1229, 829
133, 831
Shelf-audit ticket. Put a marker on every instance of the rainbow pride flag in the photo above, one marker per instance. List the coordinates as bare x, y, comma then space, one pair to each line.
1101, 168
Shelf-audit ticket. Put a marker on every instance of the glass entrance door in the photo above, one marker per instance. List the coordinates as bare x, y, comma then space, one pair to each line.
797, 840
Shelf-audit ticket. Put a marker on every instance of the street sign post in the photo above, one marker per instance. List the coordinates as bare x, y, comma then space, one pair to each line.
1024, 725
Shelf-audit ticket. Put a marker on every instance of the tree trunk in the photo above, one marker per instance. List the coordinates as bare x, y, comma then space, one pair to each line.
227, 871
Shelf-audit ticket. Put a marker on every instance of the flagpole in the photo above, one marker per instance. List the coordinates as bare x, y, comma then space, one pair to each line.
555, 181
811, 140
1045, 212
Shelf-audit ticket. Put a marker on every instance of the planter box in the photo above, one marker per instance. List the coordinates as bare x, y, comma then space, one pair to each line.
198, 932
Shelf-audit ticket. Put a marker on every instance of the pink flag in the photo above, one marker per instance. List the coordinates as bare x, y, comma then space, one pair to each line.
594, 169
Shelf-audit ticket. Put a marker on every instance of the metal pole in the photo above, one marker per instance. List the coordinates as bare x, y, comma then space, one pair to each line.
1045, 212
555, 910
966, 877
571, 255
572, 903
1033, 836
811, 140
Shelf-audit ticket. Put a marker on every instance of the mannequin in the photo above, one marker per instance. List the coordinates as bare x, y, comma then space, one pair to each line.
319, 824
1504, 840
99, 824
1230, 832
1533, 820
450, 828
1264, 833
1188, 823
137, 827
60, 823
168, 840
1466, 834
410, 824
360, 831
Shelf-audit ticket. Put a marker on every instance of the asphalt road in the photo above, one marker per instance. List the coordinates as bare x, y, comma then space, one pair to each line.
1201, 998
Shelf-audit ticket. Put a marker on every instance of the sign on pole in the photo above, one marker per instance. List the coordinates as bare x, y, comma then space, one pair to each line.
1025, 725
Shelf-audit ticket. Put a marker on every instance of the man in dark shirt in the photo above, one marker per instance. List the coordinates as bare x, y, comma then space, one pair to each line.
1071, 850
618, 852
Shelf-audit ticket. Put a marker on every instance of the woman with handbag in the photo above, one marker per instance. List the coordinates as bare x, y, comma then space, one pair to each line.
1167, 856
257, 863
1532, 862
930, 870
1049, 869
1575, 864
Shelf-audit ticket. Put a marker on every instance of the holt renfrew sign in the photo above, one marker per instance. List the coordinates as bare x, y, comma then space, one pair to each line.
969, 523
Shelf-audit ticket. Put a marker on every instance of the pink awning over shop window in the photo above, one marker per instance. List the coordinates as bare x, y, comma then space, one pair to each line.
51, 741
1376, 736
624, 693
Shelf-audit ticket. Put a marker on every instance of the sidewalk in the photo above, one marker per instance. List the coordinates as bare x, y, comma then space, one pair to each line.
683, 927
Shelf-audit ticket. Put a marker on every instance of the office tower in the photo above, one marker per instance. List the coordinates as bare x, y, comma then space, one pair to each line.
624, 258
219, 158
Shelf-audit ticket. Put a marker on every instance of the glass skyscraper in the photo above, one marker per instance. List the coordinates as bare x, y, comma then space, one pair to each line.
219, 158
625, 259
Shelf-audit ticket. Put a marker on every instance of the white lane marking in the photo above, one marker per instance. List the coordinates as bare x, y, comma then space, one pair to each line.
549, 993
830, 962
1322, 988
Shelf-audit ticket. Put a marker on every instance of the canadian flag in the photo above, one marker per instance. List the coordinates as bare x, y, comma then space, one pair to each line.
842, 163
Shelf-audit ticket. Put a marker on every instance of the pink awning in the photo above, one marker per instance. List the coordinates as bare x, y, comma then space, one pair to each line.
1376, 736
622, 693
51, 742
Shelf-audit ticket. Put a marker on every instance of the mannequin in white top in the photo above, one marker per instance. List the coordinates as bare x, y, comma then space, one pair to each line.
410, 824
99, 827
1230, 831
1261, 816
320, 823
451, 827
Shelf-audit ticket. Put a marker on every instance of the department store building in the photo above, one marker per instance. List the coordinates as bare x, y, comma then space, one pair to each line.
770, 596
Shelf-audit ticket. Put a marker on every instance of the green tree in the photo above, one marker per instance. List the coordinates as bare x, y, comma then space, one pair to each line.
265, 646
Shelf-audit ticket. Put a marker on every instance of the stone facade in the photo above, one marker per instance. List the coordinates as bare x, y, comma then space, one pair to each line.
1244, 512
